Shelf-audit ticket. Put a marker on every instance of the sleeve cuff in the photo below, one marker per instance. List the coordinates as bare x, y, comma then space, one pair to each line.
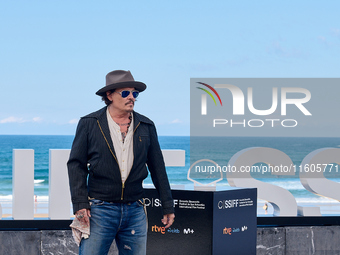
79, 206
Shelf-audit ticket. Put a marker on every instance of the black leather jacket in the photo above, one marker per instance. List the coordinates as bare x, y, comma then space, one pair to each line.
93, 157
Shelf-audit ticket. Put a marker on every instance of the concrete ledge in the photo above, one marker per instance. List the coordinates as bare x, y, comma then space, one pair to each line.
44, 242
19, 242
58, 242
313, 240
270, 240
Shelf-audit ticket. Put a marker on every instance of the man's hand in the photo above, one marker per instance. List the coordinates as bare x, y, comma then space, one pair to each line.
168, 219
83, 216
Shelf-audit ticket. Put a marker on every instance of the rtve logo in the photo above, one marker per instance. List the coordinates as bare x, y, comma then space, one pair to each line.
238, 99
227, 231
162, 230
157, 229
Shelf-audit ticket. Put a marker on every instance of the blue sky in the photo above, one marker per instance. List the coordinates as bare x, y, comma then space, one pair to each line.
55, 54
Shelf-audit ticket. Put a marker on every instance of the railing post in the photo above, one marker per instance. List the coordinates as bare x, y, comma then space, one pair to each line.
23, 184
59, 203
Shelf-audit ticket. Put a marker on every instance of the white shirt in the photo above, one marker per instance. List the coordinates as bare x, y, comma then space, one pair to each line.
124, 150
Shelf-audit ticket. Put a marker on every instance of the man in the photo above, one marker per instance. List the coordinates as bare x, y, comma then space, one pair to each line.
107, 166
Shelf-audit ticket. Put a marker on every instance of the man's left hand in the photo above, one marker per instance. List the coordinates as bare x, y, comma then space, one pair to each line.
168, 219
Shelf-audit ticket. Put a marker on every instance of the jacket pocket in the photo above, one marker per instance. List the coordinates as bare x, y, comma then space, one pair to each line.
144, 139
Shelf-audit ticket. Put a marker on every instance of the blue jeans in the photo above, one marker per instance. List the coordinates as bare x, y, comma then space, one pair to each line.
124, 222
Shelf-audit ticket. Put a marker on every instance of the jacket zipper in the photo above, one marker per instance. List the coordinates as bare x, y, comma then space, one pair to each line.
123, 186
123, 183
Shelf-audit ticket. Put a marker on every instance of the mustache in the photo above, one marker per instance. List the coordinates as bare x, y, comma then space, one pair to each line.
130, 101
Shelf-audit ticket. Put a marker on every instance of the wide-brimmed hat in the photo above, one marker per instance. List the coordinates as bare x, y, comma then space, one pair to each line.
120, 79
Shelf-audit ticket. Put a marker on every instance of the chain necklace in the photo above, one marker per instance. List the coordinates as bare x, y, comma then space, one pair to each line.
127, 128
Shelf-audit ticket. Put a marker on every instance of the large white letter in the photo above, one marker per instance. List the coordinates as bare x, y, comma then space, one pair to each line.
312, 172
298, 101
238, 98
282, 200
262, 112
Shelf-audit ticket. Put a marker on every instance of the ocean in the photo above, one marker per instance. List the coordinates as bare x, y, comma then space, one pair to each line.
295, 148
41, 145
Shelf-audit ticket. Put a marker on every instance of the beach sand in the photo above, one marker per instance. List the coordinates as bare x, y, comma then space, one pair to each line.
41, 209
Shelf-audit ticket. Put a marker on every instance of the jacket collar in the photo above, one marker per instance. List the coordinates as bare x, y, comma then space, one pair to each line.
101, 116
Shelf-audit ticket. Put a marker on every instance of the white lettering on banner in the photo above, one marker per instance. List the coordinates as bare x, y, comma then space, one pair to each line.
226, 204
153, 202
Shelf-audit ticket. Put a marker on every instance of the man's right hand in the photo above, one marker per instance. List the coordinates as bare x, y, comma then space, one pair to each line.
83, 216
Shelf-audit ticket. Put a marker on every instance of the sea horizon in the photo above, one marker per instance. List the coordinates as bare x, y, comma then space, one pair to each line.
177, 175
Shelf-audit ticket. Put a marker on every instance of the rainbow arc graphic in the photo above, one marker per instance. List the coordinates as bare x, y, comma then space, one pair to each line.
209, 93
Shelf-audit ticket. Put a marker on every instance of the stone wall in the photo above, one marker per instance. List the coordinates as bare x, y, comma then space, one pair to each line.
44, 242
317, 240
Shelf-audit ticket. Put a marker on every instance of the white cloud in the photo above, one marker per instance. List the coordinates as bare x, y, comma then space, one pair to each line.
280, 49
336, 32
12, 120
332, 40
37, 119
176, 121
322, 38
326, 41
73, 121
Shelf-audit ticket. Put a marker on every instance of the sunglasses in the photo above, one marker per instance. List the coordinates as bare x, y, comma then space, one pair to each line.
126, 93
